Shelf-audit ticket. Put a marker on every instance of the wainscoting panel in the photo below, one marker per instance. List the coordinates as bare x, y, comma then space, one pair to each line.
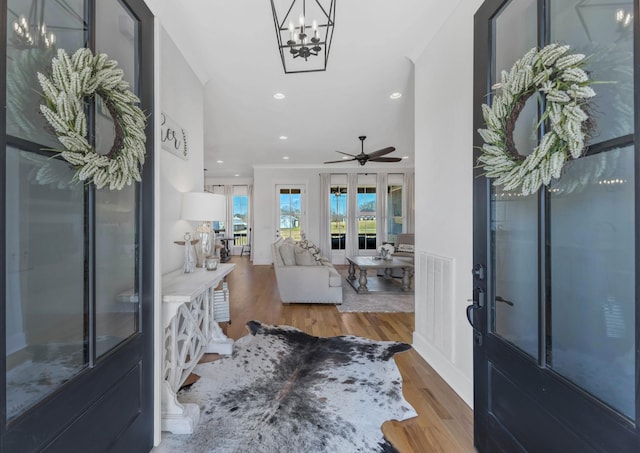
435, 288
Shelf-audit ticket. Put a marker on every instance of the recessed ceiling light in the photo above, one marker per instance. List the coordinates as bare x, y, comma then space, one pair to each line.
278, 96
345, 157
405, 157
285, 157
395, 95
283, 137
220, 161
237, 174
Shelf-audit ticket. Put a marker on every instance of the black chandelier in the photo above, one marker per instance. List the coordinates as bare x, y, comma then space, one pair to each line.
304, 31
31, 31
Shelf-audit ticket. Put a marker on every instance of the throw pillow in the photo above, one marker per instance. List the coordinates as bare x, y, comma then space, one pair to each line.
304, 257
288, 254
407, 248
315, 251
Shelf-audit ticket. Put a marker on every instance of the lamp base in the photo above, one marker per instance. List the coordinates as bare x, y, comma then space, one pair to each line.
205, 236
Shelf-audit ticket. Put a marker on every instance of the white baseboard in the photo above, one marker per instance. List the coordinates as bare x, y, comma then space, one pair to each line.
457, 380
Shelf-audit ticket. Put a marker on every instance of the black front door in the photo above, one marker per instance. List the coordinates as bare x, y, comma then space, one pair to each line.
76, 291
556, 315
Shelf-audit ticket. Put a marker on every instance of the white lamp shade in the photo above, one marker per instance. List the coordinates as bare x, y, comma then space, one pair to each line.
203, 206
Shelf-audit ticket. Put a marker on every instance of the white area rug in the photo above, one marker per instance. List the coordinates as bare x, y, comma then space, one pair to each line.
373, 302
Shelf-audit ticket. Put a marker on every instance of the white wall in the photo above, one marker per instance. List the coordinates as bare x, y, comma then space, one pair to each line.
443, 126
179, 93
181, 97
265, 180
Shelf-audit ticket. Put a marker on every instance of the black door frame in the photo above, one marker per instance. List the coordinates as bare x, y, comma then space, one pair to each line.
572, 408
89, 390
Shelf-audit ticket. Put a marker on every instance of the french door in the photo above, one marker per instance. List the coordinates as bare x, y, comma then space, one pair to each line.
76, 287
555, 313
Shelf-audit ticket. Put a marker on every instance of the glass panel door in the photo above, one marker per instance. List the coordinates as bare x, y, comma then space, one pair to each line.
556, 341
79, 270
290, 212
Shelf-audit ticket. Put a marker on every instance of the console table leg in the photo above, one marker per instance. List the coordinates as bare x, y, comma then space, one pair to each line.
177, 418
219, 343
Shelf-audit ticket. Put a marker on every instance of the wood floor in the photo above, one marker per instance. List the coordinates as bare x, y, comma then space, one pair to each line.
444, 423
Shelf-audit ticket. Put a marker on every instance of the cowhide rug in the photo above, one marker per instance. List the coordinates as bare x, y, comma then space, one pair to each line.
283, 390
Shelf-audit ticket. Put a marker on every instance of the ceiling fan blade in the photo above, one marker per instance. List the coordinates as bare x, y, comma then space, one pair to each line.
381, 152
385, 159
338, 161
346, 154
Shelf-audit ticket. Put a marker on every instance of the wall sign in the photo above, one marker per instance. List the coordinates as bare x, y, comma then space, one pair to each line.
173, 137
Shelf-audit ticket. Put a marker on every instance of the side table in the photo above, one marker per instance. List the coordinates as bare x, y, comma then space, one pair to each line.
189, 304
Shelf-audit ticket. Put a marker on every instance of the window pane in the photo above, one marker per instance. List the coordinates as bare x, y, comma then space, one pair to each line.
394, 214
367, 218
24, 61
45, 325
338, 206
240, 219
290, 213
117, 305
593, 274
514, 219
604, 30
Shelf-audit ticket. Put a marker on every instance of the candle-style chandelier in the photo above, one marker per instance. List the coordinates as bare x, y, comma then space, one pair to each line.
304, 31
30, 31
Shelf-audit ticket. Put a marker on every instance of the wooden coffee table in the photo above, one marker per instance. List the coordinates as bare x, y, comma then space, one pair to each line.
364, 263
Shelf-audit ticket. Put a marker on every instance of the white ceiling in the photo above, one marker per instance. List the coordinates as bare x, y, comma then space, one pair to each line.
232, 47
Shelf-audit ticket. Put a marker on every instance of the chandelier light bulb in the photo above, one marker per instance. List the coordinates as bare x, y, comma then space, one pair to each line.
22, 37
301, 20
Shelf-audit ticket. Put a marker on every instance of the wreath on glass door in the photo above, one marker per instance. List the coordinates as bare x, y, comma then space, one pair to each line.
73, 81
558, 75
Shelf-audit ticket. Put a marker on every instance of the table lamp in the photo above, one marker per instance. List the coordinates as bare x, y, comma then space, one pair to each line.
204, 207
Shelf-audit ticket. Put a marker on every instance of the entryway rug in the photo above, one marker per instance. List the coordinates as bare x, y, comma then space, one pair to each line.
283, 390
373, 302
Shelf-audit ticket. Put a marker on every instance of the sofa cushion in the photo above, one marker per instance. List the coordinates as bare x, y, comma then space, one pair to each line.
335, 279
287, 252
303, 257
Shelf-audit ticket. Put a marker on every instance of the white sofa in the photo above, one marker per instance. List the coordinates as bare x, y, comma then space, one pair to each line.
302, 279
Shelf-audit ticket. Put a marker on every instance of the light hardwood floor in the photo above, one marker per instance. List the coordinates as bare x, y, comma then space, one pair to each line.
444, 422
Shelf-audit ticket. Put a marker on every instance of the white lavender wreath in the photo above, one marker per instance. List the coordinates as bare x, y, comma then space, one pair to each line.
564, 82
75, 79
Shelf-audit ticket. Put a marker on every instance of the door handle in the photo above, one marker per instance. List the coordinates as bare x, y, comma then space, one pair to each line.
503, 300
478, 302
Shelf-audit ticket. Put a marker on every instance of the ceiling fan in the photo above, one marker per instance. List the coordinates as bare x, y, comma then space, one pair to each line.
363, 158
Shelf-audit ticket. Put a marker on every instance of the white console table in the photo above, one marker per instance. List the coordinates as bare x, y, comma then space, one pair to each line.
190, 330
